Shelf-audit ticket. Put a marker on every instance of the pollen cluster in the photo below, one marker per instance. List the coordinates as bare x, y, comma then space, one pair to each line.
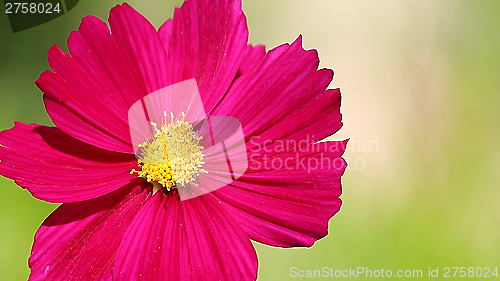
172, 156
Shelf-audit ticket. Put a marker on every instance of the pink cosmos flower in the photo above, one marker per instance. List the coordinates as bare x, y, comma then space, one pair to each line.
117, 223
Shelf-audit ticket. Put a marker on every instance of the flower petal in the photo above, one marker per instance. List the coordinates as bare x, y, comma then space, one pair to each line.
58, 168
79, 241
194, 239
253, 56
164, 33
88, 95
142, 44
290, 201
308, 124
207, 42
285, 97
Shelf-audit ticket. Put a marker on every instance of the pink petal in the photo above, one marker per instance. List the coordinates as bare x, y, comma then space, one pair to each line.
142, 44
189, 240
309, 123
290, 202
58, 168
284, 96
253, 56
79, 241
164, 33
207, 42
89, 94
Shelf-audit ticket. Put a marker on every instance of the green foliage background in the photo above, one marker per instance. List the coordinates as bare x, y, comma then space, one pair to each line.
420, 79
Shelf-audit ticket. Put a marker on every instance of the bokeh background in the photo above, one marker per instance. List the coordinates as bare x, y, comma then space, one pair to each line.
421, 104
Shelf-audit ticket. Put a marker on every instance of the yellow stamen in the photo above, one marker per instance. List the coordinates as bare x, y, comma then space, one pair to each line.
178, 140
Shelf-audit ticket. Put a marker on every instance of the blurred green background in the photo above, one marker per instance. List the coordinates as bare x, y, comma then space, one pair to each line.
421, 104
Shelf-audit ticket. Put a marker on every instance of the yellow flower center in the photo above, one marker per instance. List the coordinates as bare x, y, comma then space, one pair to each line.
173, 155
